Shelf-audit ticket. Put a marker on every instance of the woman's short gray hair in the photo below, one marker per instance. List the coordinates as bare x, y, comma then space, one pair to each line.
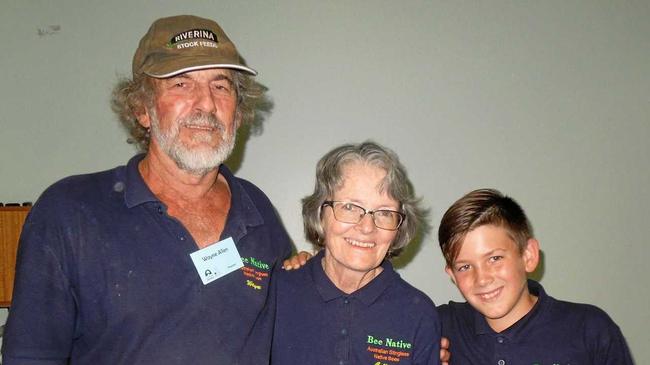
329, 178
131, 97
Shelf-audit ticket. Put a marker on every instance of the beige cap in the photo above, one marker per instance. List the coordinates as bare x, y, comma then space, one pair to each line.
185, 43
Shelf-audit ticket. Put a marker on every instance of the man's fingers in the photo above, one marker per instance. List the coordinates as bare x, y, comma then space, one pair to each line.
296, 261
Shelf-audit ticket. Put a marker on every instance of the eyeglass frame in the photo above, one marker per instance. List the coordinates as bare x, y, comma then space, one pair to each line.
330, 203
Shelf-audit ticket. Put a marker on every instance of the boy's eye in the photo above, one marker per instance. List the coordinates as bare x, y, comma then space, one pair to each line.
462, 268
495, 258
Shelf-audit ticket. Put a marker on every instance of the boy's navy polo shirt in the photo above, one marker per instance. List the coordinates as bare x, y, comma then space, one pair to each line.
553, 333
385, 322
104, 276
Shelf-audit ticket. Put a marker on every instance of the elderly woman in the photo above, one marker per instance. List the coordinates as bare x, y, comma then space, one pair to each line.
347, 305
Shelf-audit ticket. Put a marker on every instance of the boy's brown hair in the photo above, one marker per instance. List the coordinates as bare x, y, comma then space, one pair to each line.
478, 208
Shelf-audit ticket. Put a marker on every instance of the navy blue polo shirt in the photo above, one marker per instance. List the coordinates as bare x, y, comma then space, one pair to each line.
553, 332
385, 322
104, 276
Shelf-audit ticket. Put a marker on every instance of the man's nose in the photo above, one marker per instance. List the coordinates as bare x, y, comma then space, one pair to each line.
204, 100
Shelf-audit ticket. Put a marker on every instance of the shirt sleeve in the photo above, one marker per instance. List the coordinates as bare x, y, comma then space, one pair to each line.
41, 322
606, 341
427, 341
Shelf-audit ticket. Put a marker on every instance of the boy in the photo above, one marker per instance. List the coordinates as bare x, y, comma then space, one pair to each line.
489, 248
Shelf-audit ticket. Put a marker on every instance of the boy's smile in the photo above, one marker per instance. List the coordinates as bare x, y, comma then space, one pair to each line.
490, 272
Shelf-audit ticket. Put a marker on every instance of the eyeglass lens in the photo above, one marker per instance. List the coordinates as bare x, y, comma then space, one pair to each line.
352, 213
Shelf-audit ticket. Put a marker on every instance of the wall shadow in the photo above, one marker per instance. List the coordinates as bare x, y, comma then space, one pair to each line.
408, 253
262, 106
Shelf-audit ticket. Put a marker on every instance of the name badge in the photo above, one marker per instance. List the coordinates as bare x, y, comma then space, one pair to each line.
216, 260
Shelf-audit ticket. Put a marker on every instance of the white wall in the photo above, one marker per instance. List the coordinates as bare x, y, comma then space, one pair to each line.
548, 101
3, 318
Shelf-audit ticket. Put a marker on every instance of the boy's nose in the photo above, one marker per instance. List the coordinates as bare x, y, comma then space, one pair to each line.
483, 277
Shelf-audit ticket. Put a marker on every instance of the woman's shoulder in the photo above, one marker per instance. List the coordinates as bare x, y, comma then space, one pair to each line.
411, 296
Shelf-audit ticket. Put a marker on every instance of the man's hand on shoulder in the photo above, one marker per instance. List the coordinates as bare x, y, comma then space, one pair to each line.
296, 261
445, 355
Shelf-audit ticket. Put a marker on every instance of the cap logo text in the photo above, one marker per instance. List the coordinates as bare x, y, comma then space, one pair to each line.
193, 34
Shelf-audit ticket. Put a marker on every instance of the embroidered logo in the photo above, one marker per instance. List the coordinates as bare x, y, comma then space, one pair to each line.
256, 272
255, 262
194, 38
388, 350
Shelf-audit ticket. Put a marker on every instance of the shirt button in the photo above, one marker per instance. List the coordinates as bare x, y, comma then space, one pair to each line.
341, 362
182, 238
344, 332
501, 362
500, 339
346, 301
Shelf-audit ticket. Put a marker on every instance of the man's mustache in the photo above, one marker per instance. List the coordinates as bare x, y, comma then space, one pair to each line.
201, 119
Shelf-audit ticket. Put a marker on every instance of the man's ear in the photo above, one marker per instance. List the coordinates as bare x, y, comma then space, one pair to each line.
531, 255
144, 118
238, 119
141, 111
450, 272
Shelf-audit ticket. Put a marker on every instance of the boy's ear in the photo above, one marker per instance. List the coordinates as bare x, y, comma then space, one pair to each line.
450, 272
531, 255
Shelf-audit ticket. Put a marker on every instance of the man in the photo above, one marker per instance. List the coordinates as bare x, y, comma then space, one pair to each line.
165, 260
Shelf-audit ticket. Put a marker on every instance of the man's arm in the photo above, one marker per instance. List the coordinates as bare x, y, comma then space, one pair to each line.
41, 321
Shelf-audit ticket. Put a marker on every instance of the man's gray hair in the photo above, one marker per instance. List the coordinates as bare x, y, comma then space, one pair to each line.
329, 179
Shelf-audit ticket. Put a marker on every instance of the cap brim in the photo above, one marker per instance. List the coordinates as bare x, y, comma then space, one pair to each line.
162, 69
203, 67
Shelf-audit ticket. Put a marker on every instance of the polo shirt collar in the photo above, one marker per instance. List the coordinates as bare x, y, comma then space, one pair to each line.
242, 213
481, 327
136, 192
366, 295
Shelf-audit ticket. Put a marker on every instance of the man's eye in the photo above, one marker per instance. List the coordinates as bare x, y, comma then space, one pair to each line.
495, 258
222, 87
180, 84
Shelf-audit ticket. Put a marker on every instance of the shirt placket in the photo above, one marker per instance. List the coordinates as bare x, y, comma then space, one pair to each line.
501, 345
343, 343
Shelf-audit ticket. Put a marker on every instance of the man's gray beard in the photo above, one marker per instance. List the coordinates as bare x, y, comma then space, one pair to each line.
197, 161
